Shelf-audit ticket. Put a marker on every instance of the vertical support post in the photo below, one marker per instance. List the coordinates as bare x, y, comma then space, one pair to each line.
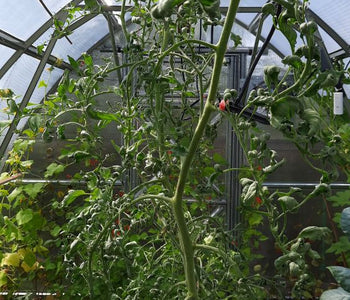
234, 152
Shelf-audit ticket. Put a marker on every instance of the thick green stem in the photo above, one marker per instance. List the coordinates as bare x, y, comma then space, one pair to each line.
184, 235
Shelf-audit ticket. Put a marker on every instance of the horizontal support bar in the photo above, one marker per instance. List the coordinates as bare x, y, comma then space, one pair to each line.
304, 185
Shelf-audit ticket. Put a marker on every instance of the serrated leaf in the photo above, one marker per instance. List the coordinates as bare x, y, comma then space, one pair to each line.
53, 169
24, 216
341, 275
340, 199
73, 195
32, 190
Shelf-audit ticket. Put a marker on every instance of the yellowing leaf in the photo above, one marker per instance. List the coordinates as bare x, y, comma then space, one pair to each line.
11, 259
27, 268
3, 278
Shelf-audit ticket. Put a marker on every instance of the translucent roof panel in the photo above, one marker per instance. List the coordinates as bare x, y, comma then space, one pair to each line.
55, 5
5, 54
20, 75
244, 3
330, 43
22, 18
50, 76
82, 38
335, 14
246, 18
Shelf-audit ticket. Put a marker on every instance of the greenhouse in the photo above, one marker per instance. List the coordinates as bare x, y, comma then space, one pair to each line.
175, 149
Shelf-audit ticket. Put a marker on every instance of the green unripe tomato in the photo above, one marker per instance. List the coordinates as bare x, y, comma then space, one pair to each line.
234, 93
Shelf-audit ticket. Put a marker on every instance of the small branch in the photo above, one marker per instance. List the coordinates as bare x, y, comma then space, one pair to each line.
13, 177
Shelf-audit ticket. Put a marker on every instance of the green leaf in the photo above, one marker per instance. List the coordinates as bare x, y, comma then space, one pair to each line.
343, 245
336, 294
3, 278
315, 233
219, 159
42, 83
285, 107
340, 199
73, 63
91, 4
34, 122
24, 216
55, 231
73, 195
26, 163
100, 115
288, 30
5, 123
53, 169
341, 275
32, 190
29, 258
15, 193
40, 48
288, 202
79, 155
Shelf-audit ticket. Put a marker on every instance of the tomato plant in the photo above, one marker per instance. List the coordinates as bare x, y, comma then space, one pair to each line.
136, 220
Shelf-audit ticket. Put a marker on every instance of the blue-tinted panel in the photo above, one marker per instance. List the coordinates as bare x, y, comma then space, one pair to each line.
335, 14
5, 54
244, 3
54, 6
330, 44
82, 39
22, 17
20, 75
246, 18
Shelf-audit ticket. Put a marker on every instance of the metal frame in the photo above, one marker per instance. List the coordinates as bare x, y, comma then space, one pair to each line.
234, 152
26, 46
22, 48
332, 33
10, 132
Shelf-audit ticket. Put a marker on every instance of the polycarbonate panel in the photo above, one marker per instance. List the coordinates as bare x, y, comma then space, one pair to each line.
335, 14
5, 54
244, 3
22, 18
54, 6
44, 38
49, 76
247, 38
246, 18
19, 76
83, 39
330, 44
